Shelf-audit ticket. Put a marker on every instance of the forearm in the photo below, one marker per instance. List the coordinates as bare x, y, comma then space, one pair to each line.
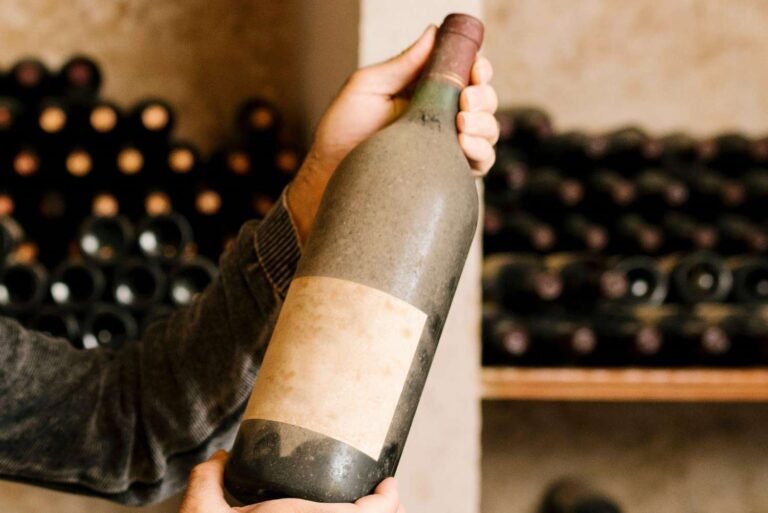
129, 425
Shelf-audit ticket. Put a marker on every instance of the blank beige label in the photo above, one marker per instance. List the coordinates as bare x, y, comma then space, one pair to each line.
337, 361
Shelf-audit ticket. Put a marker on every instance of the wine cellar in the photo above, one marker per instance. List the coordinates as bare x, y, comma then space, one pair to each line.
607, 346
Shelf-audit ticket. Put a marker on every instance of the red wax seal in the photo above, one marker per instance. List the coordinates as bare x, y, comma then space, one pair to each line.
458, 40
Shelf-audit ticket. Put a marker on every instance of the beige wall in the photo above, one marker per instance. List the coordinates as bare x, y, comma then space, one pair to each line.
692, 64
697, 65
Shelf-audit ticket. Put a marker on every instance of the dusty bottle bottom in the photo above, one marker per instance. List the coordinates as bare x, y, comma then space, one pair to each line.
272, 460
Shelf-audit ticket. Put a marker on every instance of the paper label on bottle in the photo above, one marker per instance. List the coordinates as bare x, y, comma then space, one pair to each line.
338, 360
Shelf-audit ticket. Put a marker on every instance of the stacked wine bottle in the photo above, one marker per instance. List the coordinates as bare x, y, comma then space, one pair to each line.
624, 249
107, 220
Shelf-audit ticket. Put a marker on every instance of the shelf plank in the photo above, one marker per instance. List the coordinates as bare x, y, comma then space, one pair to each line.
572, 384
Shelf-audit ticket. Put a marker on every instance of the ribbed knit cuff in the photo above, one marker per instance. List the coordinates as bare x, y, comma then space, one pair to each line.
277, 246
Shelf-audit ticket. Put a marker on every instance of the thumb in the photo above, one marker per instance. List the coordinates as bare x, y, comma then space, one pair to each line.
205, 491
385, 499
393, 75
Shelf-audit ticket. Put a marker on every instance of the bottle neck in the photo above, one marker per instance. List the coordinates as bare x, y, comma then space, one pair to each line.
435, 98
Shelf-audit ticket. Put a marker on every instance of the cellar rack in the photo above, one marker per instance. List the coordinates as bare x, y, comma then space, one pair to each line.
669, 385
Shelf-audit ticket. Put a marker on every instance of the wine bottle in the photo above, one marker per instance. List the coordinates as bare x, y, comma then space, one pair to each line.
79, 77
525, 127
587, 279
755, 182
748, 334
494, 221
629, 149
285, 166
56, 323
505, 338
375, 288
519, 283
261, 204
11, 118
102, 122
129, 162
191, 278
105, 238
26, 163
628, 340
572, 496
562, 340
548, 187
104, 204
634, 235
576, 152
524, 232
582, 234
684, 233
157, 203
23, 286
183, 161
693, 339
737, 234
55, 217
729, 152
711, 189
11, 235
77, 284
138, 284
108, 326
151, 121
750, 279
658, 189
164, 236
29, 80
287, 160
259, 122
53, 120
609, 189
78, 163
679, 150
646, 283
207, 218
509, 175
701, 276
759, 150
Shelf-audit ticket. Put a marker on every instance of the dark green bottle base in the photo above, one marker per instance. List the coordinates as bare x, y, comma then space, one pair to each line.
273, 460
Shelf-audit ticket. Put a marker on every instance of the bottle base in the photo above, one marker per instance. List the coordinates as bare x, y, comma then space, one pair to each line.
273, 460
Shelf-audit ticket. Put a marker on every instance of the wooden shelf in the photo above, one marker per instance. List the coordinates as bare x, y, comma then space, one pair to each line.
559, 384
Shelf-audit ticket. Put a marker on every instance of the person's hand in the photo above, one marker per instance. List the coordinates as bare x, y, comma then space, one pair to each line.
205, 494
372, 98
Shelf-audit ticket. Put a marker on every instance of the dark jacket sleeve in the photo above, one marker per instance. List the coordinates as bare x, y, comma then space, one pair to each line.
128, 425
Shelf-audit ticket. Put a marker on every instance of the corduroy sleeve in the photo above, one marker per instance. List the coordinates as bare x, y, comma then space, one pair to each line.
128, 425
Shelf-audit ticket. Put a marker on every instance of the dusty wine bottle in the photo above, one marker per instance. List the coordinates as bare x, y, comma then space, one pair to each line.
56, 322
76, 284
505, 338
346, 365
191, 278
571, 496
138, 284
519, 282
108, 326
646, 284
609, 189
